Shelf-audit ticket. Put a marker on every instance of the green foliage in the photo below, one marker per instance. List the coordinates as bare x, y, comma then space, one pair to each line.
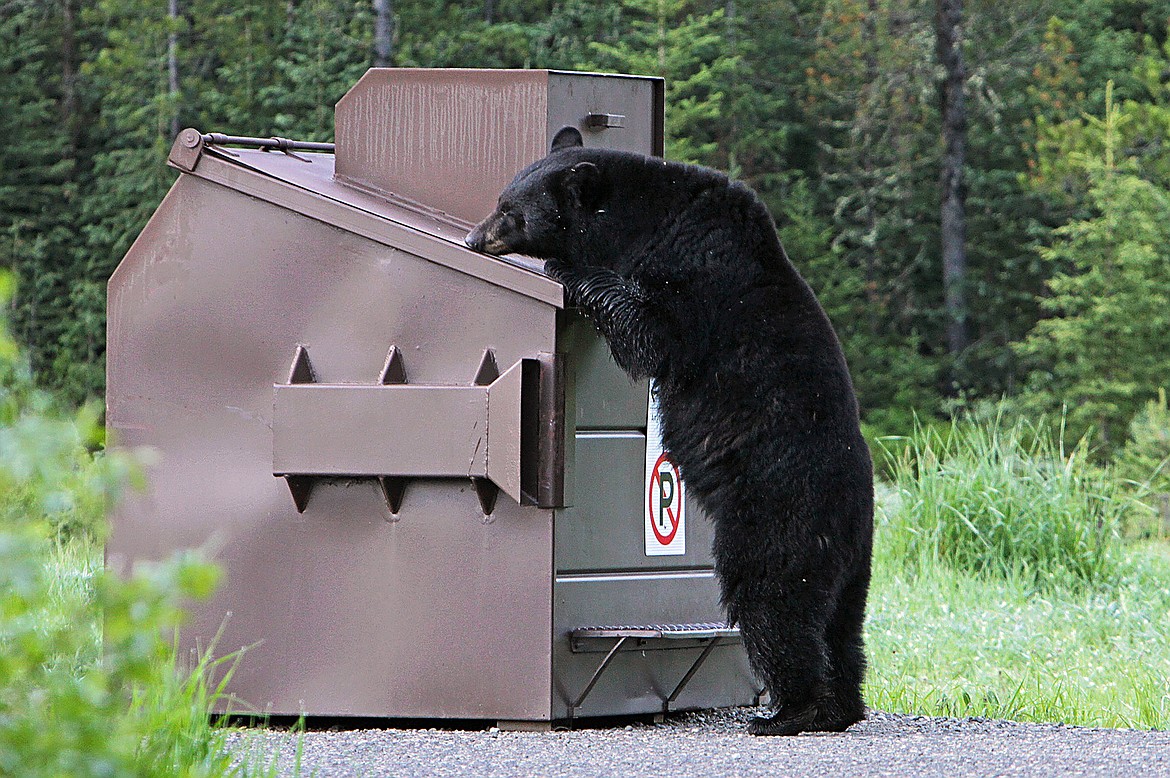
88, 680
831, 116
327, 48
66, 711
892, 379
1003, 499
236, 65
36, 179
675, 40
1144, 462
1101, 352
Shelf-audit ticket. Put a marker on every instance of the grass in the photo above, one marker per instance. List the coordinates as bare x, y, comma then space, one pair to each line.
1003, 588
1006, 499
948, 643
177, 733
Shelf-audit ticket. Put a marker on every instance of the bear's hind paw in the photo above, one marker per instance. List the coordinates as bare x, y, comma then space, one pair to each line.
783, 722
810, 719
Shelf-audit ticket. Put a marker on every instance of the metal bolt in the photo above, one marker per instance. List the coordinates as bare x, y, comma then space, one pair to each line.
190, 138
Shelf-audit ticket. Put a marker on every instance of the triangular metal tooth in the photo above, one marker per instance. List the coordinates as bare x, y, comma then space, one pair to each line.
488, 370
487, 493
394, 371
301, 486
301, 371
393, 489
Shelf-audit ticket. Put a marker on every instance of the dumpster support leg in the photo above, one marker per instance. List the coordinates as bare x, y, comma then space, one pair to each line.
596, 676
690, 674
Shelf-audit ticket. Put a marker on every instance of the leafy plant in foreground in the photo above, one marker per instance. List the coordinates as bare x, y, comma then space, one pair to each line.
73, 703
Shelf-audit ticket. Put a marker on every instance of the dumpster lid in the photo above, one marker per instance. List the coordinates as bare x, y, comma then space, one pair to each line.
303, 182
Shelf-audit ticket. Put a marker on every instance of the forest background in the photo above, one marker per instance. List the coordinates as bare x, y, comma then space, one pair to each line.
981, 202
842, 114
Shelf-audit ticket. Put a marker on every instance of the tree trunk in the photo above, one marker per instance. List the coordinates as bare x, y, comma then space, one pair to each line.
489, 11
173, 66
949, 39
868, 90
383, 33
69, 76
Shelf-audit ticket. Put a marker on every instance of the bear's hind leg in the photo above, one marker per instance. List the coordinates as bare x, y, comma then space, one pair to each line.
844, 705
784, 634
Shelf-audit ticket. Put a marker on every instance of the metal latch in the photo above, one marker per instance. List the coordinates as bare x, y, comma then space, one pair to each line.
504, 431
603, 121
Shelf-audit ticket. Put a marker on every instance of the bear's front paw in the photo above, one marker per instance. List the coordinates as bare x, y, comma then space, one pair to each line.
569, 277
558, 269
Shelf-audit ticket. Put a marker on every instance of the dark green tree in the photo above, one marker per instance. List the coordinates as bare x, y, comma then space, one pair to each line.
37, 171
231, 55
1101, 352
327, 46
127, 178
686, 46
871, 99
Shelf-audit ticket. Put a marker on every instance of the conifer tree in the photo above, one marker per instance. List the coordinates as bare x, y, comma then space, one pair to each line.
327, 47
1101, 353
233, 49
132, 136
684, 45
36, 175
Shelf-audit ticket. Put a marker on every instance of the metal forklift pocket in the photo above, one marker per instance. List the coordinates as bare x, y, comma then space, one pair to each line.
489, 431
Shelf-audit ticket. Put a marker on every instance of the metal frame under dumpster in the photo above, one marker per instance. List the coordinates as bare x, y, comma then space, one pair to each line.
426, 480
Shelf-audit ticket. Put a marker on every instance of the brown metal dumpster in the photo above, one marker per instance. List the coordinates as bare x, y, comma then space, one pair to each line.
433, 492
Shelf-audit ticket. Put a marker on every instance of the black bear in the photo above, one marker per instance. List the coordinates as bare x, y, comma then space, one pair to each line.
682, 272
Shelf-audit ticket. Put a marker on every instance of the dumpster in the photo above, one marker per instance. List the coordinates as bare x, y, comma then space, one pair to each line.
433, 492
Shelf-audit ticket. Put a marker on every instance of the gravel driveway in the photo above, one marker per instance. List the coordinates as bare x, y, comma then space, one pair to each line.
713, 743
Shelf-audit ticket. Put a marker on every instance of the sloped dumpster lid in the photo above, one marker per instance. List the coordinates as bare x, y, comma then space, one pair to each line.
303, 182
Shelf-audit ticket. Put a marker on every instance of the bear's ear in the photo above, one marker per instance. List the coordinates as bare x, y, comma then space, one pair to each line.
584, 185
566, 138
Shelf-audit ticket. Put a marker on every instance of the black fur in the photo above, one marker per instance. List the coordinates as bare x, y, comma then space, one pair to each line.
681, 270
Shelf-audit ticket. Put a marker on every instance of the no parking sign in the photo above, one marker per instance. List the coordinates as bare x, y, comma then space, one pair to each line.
665, 515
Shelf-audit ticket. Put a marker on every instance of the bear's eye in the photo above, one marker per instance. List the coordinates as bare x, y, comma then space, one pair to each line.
517, 220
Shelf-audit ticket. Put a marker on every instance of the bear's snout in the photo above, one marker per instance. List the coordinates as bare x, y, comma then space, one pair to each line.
486, 237
475, 239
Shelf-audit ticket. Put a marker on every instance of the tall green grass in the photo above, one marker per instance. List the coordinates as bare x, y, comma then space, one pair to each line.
1005, 499
1002, 586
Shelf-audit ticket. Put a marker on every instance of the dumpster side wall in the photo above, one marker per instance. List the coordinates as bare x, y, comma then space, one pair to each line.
345, 609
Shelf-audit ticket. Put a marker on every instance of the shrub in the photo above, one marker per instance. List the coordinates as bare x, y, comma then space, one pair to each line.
77, 699
64, 710
1144, 462
1003, 499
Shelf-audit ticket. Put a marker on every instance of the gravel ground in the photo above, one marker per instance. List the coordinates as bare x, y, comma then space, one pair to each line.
713, 743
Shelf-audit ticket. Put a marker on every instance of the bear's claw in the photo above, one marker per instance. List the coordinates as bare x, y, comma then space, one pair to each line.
784, 722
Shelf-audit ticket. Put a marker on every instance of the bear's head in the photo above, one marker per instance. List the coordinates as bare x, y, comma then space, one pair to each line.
540, 213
